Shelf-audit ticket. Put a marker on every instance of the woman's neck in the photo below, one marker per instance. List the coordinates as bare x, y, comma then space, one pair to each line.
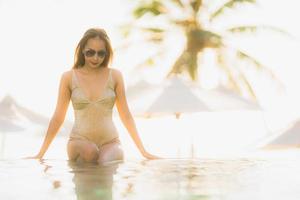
89, 70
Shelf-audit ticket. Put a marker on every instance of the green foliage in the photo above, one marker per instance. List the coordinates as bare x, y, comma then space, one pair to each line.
255, 29
154, 7
229, 5
178, 3
200, 35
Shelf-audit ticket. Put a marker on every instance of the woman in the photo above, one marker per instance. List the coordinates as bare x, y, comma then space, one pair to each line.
94, 88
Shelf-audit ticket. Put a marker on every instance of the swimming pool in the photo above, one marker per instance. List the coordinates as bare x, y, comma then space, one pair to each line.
240, 178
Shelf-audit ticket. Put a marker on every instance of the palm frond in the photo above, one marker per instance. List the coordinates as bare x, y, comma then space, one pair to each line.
150, 60
153, 30
215, 40
154, 34
255, 29
235, 76
259, 66
179, 3
155, 38
226, 69
248, 85
126, 29
229, 5
183, 23
154, 7
244, 56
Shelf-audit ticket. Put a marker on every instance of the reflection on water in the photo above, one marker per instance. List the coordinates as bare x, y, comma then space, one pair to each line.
268, 177
93, 181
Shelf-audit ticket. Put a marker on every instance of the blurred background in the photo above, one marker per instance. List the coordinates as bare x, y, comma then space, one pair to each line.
203, 78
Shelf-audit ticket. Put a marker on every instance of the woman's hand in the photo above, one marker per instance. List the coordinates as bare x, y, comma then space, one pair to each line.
150, 156
38, 156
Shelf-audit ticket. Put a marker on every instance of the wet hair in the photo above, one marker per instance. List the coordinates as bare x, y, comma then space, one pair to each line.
79, 59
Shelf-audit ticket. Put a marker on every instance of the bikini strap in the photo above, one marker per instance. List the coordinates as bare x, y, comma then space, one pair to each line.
110, 79
74, 79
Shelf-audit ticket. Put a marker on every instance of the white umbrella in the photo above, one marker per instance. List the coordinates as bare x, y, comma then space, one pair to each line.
290, 137
176, 98
140, 95
8, 126
17, 118
14, 113
222, 99
138, 89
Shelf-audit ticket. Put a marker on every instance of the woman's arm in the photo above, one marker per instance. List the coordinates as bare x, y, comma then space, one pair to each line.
126, 116
58, 117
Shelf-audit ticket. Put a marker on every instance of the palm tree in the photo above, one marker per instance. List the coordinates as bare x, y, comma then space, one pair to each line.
197, 23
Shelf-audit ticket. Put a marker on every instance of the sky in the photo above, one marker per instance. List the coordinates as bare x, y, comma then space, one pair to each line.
38, 39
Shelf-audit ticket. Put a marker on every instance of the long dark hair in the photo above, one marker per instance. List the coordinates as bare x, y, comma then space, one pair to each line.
93, 33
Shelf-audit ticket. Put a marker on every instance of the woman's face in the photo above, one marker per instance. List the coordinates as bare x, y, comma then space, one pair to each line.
94, 52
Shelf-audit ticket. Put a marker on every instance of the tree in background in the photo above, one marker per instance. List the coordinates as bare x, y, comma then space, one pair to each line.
196, 20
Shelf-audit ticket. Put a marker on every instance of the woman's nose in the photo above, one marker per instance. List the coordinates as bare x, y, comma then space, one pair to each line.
95, 57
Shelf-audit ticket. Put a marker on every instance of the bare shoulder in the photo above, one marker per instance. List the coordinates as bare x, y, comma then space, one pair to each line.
66, 75
66, 78
116, 74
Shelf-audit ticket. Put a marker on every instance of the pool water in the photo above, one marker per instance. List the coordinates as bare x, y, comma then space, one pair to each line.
241, 178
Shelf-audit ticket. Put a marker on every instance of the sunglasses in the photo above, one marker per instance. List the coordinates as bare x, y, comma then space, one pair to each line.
91, 53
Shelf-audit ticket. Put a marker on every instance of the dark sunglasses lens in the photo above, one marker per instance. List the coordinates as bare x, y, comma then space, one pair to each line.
90, 53
101, 54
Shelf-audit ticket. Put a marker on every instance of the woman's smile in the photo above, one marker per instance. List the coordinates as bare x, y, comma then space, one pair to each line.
94, 63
